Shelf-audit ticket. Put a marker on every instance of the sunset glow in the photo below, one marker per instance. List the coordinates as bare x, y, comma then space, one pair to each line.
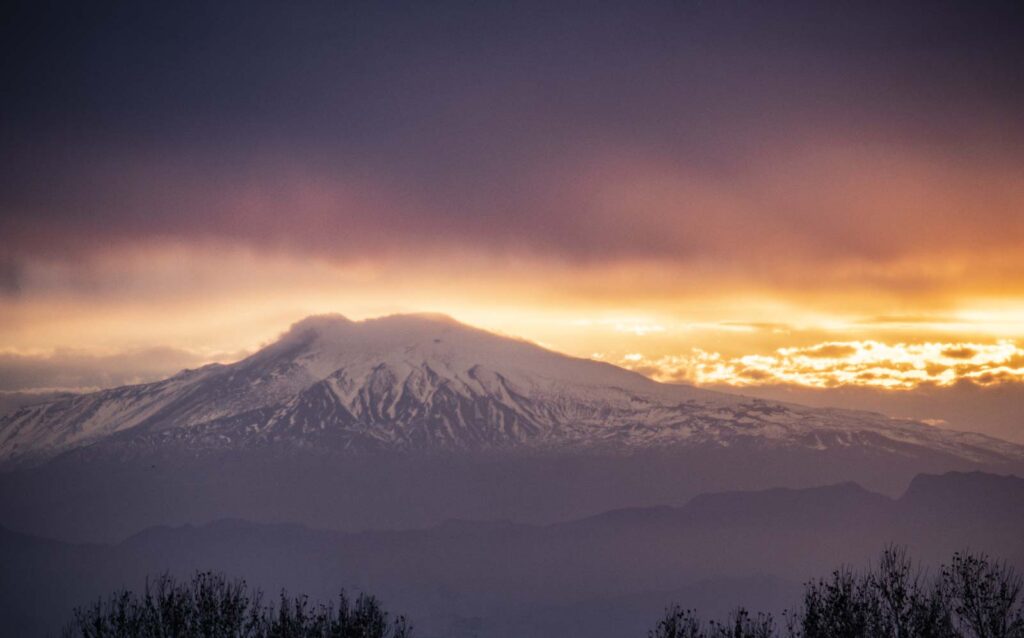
661, 204
859, 363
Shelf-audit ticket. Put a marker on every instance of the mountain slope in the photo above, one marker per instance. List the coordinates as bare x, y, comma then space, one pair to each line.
427, 383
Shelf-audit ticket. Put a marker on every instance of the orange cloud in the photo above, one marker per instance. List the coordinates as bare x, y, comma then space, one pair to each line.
854, 363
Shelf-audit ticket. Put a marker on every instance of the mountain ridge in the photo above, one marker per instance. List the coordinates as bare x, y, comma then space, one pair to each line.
493, 569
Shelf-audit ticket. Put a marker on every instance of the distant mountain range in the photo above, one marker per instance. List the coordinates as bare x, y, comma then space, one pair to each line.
407, 420
603, 576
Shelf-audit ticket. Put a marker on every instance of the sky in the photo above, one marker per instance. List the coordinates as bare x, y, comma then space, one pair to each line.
806, 200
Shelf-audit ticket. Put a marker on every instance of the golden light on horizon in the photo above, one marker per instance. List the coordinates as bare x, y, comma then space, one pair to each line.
900, 366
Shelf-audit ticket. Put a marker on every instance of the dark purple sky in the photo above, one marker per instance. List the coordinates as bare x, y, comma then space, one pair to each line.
383, 124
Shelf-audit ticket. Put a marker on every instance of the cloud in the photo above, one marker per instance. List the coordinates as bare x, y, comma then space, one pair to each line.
856, 363
378, 134
769, 326
831, 351
960, 352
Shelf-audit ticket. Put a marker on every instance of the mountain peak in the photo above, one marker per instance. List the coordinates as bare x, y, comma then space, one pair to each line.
323, 346
334, 327
335, 320
320, 322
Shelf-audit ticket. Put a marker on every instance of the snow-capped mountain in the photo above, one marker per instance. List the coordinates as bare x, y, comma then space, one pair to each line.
422, 383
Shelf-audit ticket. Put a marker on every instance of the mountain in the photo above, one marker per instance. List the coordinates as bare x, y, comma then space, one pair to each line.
606, 575
406, 421
427, 383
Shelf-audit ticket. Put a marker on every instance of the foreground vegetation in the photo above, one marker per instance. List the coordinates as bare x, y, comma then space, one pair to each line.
971, 597
211, 606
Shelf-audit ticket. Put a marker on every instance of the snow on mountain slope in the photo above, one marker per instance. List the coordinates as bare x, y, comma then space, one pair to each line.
421, 382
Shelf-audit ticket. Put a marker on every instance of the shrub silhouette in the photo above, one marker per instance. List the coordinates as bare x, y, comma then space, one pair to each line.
684, 623
972, 597
211, 606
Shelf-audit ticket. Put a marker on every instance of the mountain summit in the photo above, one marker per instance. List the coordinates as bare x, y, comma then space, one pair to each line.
421, 383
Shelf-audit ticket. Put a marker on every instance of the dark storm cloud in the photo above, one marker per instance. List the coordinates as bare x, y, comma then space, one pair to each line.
582, 130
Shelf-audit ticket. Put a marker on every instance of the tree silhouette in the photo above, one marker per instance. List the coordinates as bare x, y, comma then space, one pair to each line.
211, 606
972, 597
